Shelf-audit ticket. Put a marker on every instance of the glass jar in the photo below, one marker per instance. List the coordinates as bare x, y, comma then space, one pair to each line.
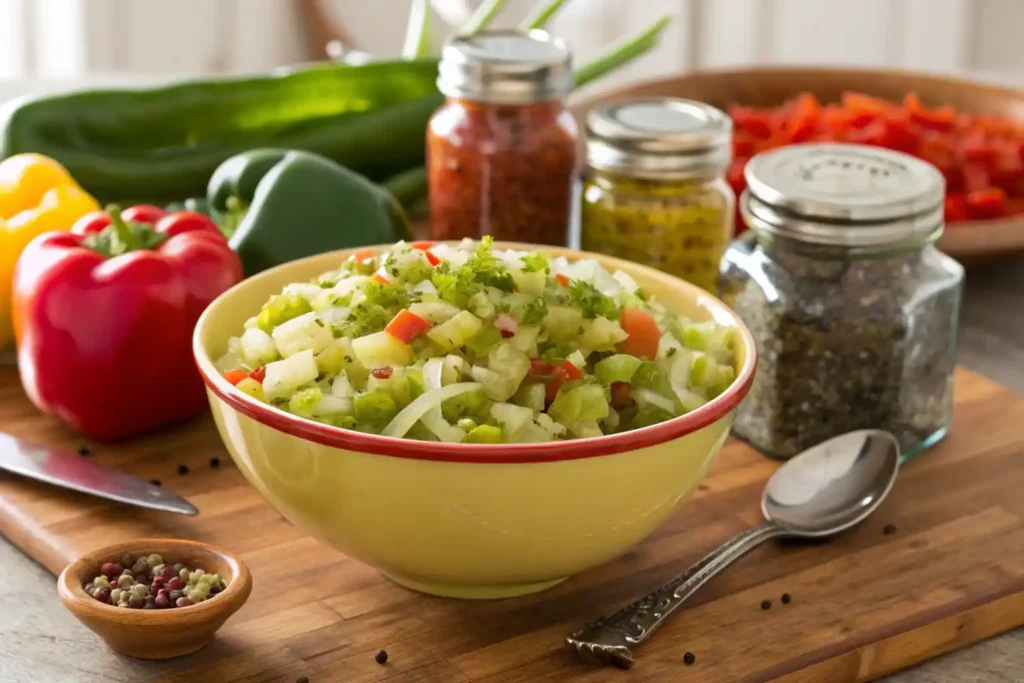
655, 189
853, 310
501, 153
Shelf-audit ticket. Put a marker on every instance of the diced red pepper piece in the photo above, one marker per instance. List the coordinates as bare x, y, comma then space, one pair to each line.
507, 325
380, 279
572, 372
362, 255
975, 178
644, 335
383, 372
755, 122
989, 203
620, 392
235, 376
425, 247
562, 280
540, 367
406, 326
956, 208
258, 374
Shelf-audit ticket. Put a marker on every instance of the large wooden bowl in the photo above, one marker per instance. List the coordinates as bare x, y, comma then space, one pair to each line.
773, 86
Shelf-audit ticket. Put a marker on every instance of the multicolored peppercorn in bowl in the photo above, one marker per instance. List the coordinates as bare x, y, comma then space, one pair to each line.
155, 598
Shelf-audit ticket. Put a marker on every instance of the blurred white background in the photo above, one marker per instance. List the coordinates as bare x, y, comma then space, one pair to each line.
49, 44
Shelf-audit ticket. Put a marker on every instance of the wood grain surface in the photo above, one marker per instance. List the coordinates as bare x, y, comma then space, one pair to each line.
863, 605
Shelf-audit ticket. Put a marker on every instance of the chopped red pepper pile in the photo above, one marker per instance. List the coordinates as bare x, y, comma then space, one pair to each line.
981, 156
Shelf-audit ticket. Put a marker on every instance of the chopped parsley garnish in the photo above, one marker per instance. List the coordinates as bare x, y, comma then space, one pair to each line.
388, 296
534, 312
534, 263
591, 302
554, 352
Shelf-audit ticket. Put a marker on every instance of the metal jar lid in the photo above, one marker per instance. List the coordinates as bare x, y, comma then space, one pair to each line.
659, 138
843, 195
506, 67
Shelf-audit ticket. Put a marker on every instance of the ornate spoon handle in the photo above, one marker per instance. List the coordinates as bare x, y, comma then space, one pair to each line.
609, 639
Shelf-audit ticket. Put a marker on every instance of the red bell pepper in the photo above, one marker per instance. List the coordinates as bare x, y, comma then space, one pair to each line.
104, 317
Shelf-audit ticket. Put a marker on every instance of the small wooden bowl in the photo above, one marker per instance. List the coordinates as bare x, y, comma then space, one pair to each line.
157, 634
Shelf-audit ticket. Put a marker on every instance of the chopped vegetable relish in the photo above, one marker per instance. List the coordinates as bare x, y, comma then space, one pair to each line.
477, 345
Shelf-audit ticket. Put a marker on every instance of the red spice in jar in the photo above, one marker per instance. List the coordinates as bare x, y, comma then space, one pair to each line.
501, 153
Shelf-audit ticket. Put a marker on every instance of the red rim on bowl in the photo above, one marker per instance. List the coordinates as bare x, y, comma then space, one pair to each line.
554, 451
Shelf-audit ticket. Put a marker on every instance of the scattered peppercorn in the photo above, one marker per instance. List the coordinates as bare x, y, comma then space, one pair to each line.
786, 598
889, 529
381, 656
766, 604
689, 658
150, 583
214, 462
182, 469
84, 451
155, 482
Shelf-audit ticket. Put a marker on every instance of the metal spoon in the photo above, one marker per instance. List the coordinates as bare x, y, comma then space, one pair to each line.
823, 491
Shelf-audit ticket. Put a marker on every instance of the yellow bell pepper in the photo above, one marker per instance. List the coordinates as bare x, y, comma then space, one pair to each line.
37, 195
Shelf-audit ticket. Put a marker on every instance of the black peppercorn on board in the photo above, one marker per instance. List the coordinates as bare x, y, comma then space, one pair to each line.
939, 566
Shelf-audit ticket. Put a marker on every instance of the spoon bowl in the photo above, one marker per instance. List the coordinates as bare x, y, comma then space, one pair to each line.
823, 491
834, 485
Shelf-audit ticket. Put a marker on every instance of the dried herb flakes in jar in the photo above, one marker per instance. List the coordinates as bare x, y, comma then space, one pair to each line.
655, 191
853, 311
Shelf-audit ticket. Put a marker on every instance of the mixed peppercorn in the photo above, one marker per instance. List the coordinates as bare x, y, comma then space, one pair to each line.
147, 582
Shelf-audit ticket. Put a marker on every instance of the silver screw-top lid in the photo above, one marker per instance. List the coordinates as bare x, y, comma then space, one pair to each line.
659, 138
843, 195
506, 67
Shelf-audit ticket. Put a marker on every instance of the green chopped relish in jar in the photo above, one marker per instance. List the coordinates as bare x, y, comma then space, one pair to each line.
655, 191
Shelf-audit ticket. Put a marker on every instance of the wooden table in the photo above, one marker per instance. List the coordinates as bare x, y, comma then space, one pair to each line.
40, 641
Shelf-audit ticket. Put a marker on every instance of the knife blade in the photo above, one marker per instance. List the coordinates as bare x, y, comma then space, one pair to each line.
82, 474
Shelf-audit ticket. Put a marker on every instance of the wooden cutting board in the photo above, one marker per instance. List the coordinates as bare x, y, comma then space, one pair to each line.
949, 572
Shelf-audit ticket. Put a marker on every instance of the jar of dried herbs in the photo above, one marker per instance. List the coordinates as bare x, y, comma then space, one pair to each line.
501, 152
655, 191
853, 310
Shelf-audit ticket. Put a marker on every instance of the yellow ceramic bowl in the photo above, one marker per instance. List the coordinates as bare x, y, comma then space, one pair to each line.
468, 520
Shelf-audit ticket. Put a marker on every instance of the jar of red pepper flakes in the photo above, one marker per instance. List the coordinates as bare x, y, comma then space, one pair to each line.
501, 153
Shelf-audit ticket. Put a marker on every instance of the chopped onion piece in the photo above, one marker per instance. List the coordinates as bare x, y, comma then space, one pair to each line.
432, 373
425, 287
655, 399
628, 283
413, 412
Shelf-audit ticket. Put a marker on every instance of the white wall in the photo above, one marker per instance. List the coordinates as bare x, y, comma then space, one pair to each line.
84, 41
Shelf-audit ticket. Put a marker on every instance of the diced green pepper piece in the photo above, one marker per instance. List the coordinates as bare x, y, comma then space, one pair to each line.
343, 421
708, 336
302, 402
281, 308
471, 404
650, 376
484, 434
618, 368
340, 356
566, 406
530, 396
593, 403
484, 340
375, 408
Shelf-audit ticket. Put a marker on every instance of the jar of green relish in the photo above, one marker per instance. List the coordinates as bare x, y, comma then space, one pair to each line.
655, 189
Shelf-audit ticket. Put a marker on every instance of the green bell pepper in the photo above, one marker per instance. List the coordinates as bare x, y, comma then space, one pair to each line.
291, 204
159, 145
